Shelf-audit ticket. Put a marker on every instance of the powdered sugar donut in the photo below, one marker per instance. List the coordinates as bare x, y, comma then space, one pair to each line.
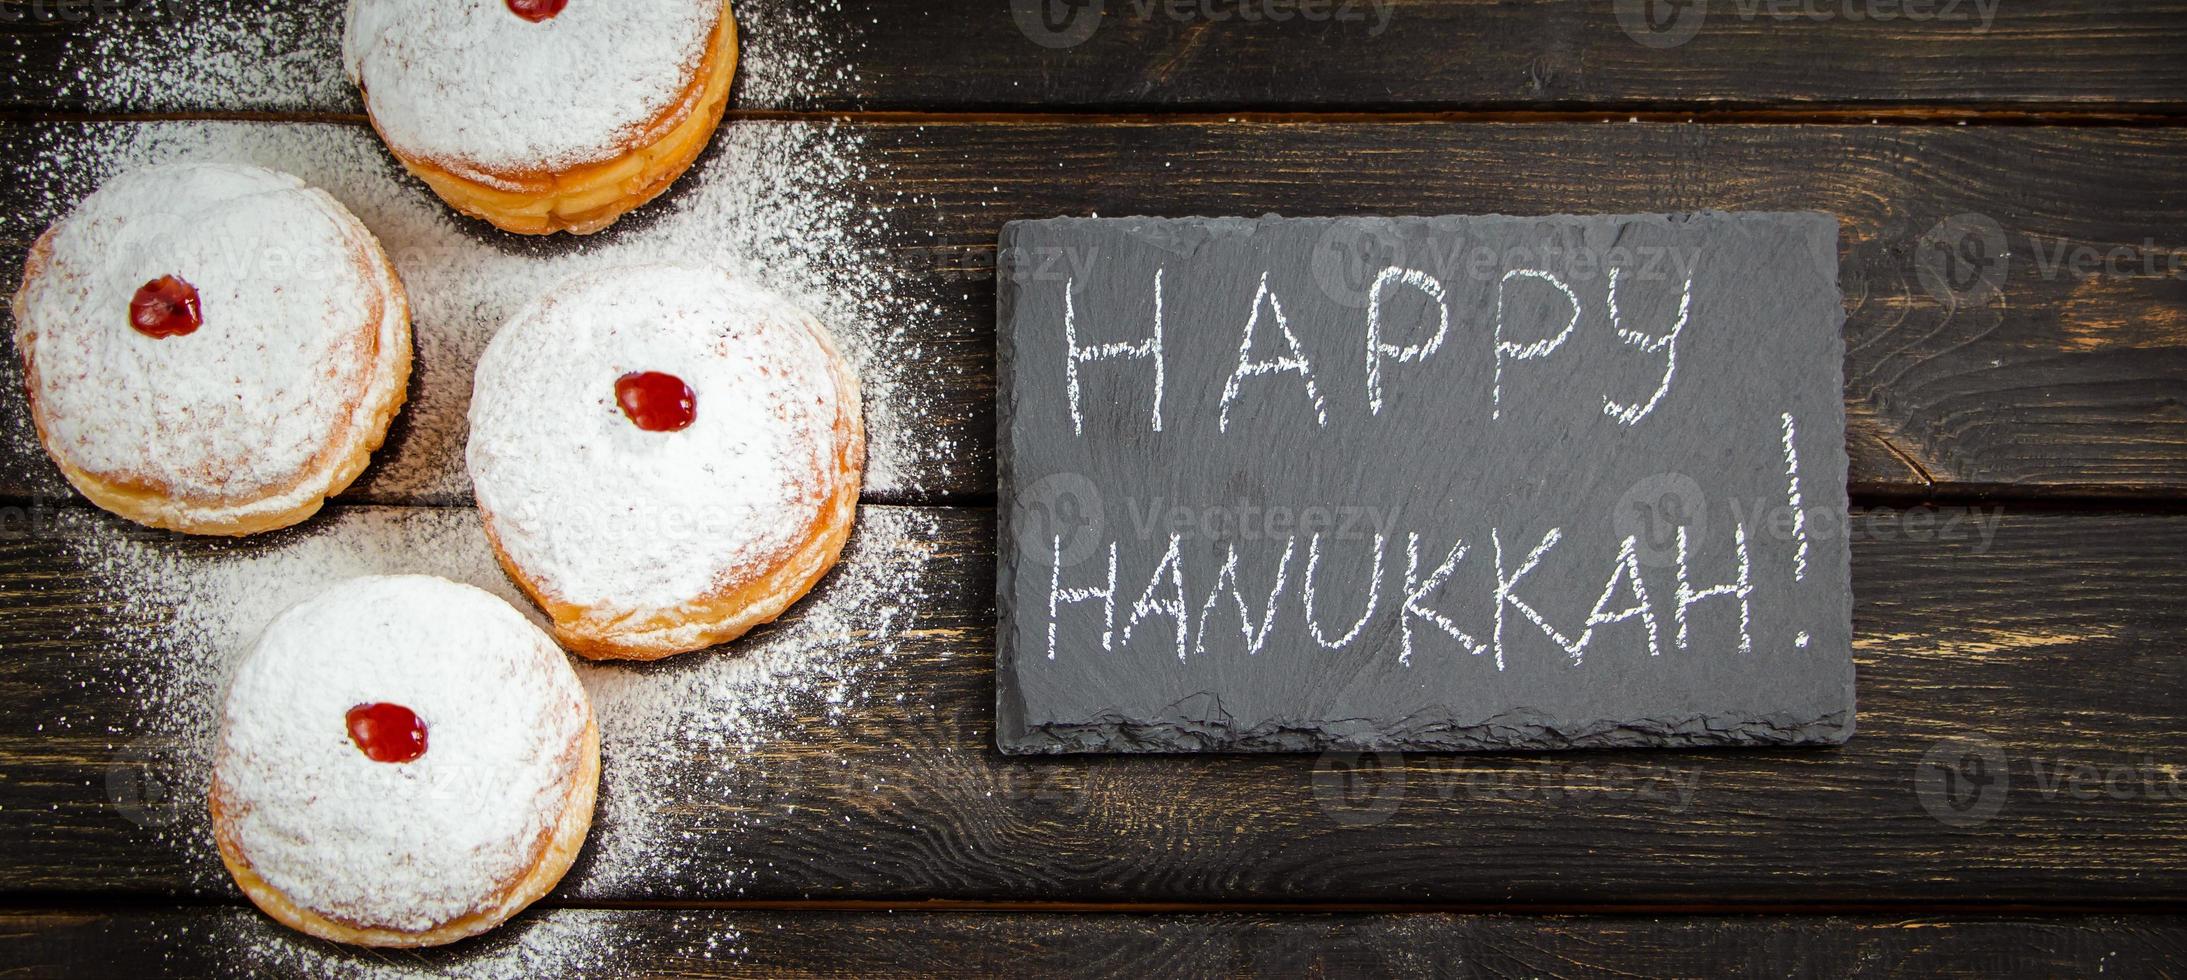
543, 115
211, 348
664, 456
403, 761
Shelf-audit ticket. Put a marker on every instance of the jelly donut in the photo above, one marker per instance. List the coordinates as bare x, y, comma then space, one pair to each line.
403, 761
664, 456
211, 348
543, 115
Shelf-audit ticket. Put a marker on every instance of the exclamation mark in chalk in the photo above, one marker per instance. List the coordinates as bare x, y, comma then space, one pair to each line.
1799, 514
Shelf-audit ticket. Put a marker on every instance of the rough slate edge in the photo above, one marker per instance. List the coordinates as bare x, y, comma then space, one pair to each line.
1013, 736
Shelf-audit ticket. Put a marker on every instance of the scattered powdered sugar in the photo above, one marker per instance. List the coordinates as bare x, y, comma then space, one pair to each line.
219, 54
693, 727
772, 201
250, 55
688, 730
690, 727
794, 54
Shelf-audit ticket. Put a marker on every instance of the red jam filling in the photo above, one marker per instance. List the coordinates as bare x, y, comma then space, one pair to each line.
387, 732
656, 402
537, 10
165, 307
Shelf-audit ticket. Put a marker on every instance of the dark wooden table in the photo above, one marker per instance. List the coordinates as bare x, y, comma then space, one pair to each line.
2018, 465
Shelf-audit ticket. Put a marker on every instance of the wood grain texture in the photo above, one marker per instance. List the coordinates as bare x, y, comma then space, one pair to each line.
213, 942
2034, 350
2044, 643
1983, 381
2050, 359
1046, 55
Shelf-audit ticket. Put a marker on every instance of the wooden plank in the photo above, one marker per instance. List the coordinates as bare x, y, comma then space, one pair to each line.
2050, 382
196, 942
2041, 643
2070, 378
234, 55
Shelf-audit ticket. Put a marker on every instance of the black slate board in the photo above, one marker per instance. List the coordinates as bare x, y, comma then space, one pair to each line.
1531, 426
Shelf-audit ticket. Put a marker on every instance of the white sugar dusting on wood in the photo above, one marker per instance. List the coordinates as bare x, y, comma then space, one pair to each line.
775, 200
794, 54
699, 727
238, 54
696, 728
